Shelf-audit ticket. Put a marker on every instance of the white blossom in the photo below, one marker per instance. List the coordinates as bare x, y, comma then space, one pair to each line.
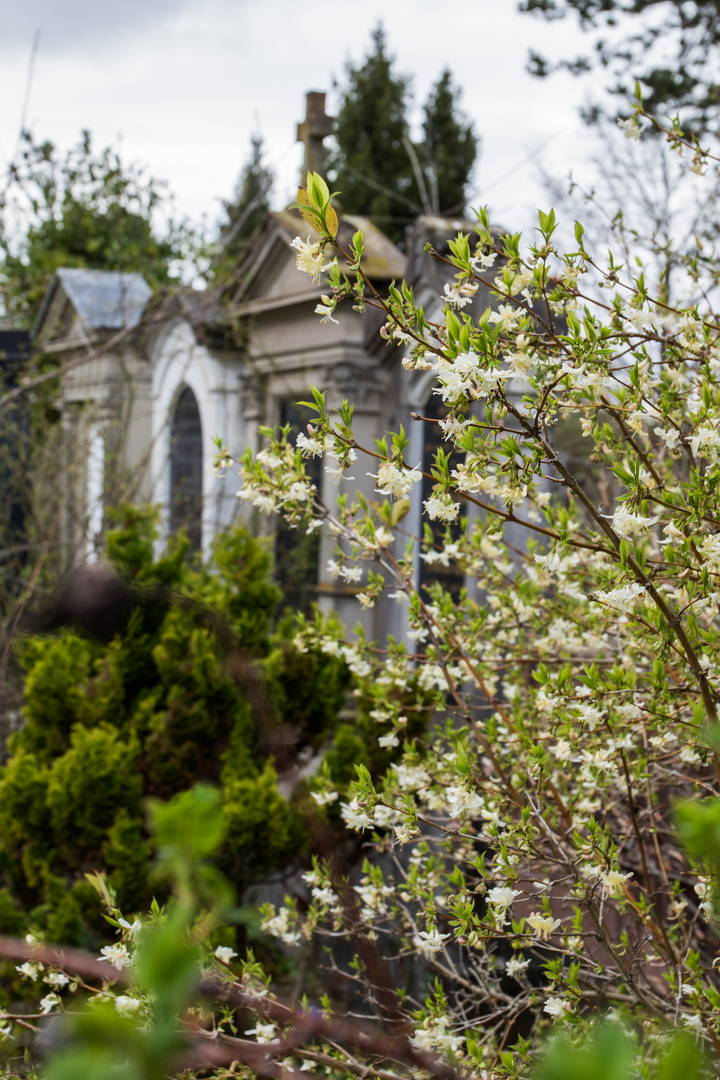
225, 954
309, 258
411, 776
625, 523
630, 128
516, 965
457, 296
29, 971
430, 941
614, 880
354, 816
483, 261
126, 1005
324, 896
326, 310
324, 798
442, 509
56, 979
433, 1035
264, 1033
622, 599
461, 801
309, 447
394, 481
705, 442
556, 1007
502, 896
279, 925
507, 315
132, 928
117, 955
693, 1022
542, 925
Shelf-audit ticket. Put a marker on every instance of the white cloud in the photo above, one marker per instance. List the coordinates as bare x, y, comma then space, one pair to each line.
184, 84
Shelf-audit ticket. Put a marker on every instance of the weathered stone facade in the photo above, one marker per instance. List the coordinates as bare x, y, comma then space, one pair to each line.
139, 379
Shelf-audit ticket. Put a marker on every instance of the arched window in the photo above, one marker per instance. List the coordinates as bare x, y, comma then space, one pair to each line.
186, 469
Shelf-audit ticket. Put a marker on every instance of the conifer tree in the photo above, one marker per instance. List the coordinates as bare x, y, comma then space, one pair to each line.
371, 166
247, 208
107, 724
377, 169
449, 149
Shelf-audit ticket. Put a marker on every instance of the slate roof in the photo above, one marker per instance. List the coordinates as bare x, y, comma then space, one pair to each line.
106, 299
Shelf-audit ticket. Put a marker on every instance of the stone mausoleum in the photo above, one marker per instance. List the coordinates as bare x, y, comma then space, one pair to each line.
150, 385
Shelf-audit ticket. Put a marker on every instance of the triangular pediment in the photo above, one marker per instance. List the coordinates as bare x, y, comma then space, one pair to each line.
81, 302
277, 275
272, 275
57, 319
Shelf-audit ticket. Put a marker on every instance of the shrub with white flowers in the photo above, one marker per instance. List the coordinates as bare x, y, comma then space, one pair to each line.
527, 849
543, 859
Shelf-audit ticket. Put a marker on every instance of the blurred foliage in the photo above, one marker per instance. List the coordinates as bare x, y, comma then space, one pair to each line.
82, 209
153, 712
609, 1052
671, 46
98, 1042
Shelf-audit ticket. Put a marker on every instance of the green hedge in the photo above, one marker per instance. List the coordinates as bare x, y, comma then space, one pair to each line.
162, 706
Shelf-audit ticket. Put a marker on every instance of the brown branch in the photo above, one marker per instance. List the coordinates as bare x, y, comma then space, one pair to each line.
59, 956
671, 619
304, 1025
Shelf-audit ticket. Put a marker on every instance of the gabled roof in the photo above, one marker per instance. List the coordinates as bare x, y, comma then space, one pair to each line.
106, 299
382, 260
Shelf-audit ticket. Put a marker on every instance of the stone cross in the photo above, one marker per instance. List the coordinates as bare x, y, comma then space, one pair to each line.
311, 131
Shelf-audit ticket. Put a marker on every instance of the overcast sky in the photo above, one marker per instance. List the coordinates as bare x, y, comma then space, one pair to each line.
182, 84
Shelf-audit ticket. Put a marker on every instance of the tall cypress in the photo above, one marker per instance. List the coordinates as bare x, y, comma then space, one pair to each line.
370, 165
374, 165
449, 148
247, 208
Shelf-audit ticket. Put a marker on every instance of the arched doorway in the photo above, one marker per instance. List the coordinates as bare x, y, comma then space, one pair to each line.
186, 469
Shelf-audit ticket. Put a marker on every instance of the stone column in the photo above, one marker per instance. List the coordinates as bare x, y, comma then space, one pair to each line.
365, 386
253, 401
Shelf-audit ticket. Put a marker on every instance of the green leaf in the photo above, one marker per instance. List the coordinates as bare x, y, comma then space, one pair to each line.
318, 190
331, 222
308, 211
547, 223
191, 823
698, 824
166, 963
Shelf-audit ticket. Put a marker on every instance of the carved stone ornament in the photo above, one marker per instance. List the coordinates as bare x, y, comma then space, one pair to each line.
252, 395
365, 387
